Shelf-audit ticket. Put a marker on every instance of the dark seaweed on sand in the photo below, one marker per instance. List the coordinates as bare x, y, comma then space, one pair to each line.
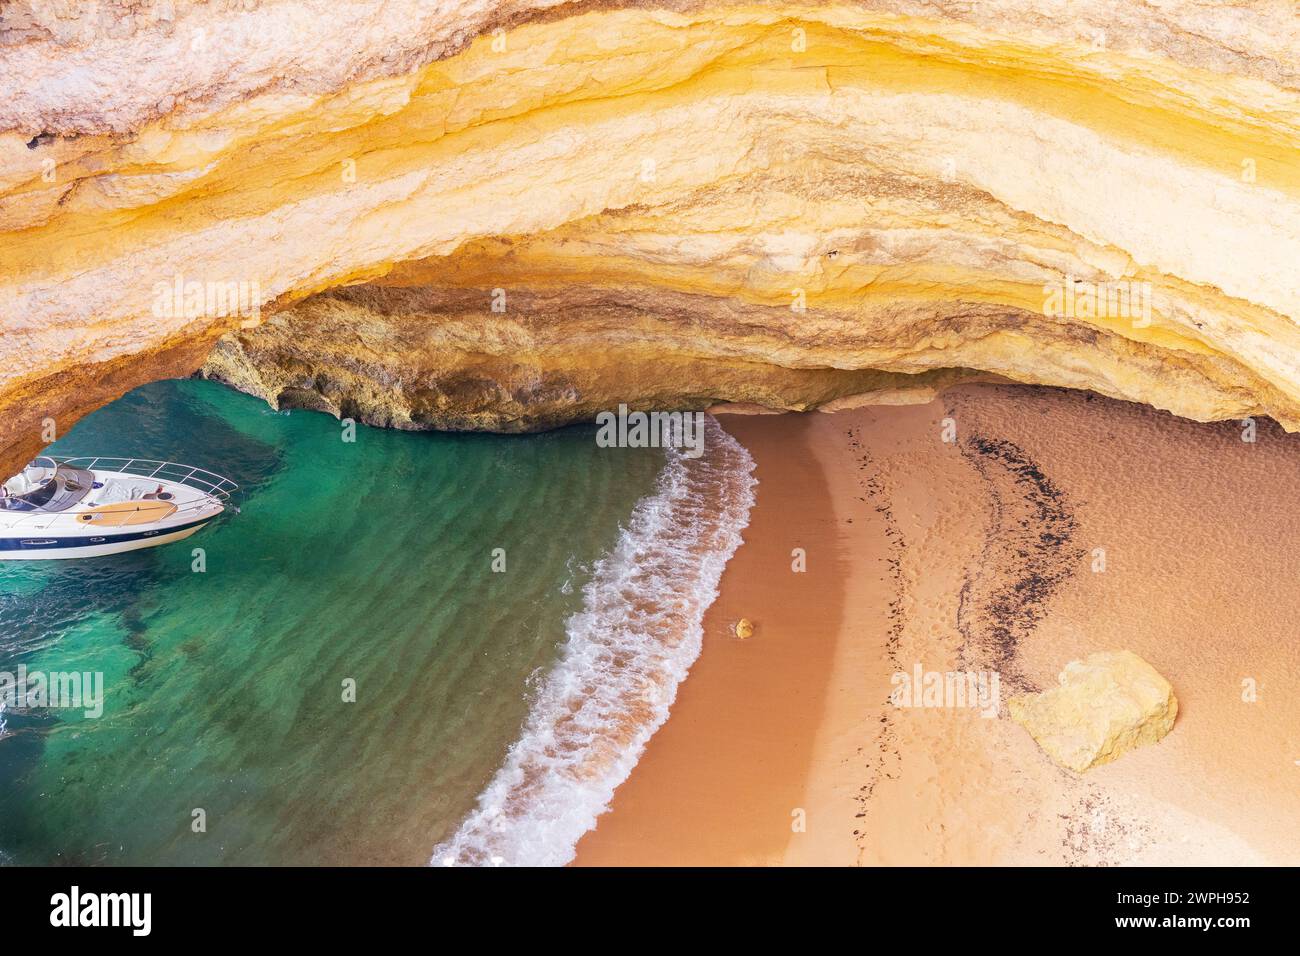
1027, 555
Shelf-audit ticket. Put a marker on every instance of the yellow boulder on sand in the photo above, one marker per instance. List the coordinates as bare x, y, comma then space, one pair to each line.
744, 628
1106, 705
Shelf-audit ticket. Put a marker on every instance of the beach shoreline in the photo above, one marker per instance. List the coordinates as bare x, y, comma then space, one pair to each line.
784, 748
724, 780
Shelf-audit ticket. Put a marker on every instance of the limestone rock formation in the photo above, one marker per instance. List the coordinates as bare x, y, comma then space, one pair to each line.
425, 358
506, 214
1106, 705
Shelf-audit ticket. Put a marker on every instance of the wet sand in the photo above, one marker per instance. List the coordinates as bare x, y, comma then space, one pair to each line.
1055, 524
719, 781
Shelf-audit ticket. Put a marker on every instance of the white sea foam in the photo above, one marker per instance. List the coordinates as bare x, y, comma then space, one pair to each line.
627, 651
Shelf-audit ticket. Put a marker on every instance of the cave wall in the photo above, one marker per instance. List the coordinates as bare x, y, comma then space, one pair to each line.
506, 215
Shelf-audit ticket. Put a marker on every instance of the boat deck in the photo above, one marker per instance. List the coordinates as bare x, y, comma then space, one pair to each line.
127, 513
73, 486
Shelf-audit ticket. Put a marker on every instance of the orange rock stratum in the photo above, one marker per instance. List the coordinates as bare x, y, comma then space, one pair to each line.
508, 215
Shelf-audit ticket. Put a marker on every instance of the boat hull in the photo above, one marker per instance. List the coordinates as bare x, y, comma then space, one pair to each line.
35, 547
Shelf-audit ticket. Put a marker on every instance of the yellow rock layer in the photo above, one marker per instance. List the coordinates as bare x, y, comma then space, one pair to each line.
786, 205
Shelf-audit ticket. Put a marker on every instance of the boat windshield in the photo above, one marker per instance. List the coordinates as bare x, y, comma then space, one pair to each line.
62, 491
29, 502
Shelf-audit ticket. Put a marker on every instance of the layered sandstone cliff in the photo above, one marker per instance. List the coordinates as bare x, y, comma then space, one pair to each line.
539, 210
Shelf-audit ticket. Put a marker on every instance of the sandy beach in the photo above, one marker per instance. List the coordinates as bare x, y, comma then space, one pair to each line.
1051, 525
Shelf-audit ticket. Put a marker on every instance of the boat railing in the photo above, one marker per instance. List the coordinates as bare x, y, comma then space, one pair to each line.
200, 478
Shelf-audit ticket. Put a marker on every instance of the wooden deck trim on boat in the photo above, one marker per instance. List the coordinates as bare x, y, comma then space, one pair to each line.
127, 513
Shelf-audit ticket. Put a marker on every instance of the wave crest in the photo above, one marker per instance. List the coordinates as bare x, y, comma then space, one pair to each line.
626, 652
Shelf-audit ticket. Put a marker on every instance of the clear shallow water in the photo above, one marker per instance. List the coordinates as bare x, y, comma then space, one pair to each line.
369, 561
627, 651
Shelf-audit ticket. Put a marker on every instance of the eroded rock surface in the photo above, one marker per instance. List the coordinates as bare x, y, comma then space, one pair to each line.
552, 208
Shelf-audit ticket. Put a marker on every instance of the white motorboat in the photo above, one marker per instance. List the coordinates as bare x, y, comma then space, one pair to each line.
61, 507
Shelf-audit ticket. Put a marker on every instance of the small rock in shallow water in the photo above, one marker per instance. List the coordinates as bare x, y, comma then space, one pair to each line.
1107, 704
744, 628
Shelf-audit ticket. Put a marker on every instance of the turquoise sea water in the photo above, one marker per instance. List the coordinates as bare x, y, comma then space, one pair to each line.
369, 561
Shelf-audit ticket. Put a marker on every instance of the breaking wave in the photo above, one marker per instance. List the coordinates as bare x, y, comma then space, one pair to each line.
627, 650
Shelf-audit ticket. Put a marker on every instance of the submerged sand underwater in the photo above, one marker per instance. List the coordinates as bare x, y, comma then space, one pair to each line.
1056, 524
